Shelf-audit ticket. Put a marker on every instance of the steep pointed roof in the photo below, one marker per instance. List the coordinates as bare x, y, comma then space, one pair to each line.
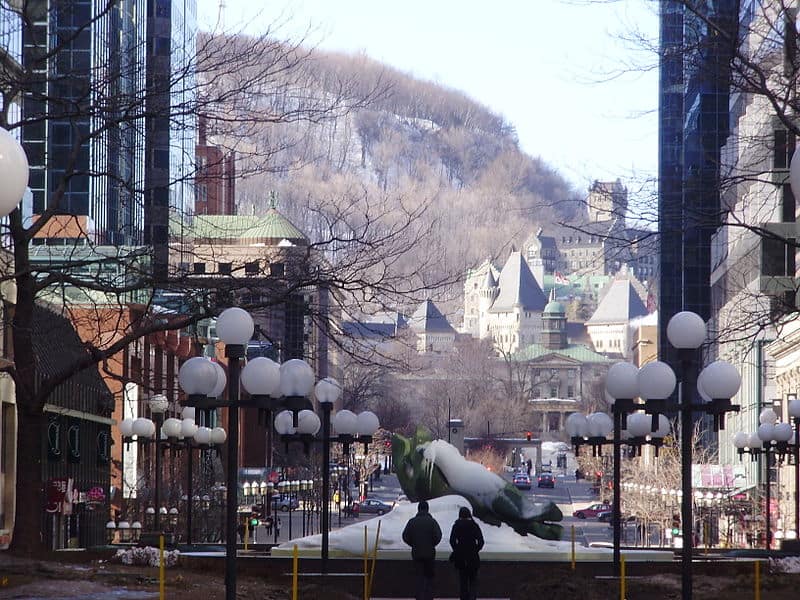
428, 318
490, 281
620, 304
518, 287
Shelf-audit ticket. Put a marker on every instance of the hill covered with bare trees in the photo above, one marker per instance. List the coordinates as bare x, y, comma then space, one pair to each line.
395, 141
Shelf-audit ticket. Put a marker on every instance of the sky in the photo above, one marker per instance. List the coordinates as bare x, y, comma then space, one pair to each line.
558, 70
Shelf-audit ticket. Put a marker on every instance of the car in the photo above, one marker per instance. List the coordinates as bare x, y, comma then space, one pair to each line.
285, 503
592, 510
374, 507
522, 481
606, 515
546, 480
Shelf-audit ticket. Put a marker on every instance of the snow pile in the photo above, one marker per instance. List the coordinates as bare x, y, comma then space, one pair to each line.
790, 564
350, 540
147, 556
471, 478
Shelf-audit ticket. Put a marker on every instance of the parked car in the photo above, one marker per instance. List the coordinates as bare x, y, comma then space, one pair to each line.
375, 507
606, 515
593, 510
285, 503
522, 481
546, 480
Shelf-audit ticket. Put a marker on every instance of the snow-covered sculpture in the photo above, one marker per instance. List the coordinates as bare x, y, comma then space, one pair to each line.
433, 468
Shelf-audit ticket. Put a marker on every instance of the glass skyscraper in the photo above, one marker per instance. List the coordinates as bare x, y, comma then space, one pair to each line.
110, 127
693, 126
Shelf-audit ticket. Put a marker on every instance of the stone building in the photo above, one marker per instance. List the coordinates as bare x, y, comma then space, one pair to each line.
609, 326
564, 377
506, 308
433, 332
266, 258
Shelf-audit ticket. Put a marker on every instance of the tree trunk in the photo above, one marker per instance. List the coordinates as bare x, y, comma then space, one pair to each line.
28, 539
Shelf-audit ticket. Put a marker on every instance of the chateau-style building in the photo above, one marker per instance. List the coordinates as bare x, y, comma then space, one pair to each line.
504, 306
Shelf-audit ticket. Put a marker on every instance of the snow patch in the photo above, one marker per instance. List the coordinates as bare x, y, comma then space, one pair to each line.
349, 541
790, 564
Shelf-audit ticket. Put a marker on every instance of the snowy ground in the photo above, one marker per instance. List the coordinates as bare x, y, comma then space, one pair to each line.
501, 543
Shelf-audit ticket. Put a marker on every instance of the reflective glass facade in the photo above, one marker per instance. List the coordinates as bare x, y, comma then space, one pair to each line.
84, 160
693, 126
171, 124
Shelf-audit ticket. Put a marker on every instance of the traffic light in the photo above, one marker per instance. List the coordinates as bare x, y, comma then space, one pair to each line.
254, 521
528, 435
676, 524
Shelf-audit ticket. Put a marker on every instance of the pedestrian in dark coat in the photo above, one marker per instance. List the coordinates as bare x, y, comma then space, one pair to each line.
422, 533
466, 539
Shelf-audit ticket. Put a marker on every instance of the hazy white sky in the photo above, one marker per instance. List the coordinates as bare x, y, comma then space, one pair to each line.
545, 65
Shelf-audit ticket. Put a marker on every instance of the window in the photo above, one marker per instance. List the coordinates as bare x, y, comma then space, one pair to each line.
783, 149
251, 268
788, 204
553, 391
570, 391
777, 257
199, 268
276, 270
225, 268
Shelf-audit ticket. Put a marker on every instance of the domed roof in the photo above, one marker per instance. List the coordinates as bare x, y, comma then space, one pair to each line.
554, 307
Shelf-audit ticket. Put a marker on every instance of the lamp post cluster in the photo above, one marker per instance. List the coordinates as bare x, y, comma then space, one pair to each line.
270, 387
176, 434
350, 428
709, 392
628, 427
773, 439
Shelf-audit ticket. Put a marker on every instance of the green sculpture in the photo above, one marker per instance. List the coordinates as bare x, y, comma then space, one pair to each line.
429, 468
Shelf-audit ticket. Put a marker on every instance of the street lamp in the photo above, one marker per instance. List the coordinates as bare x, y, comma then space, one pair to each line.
630, 428
716, 385
624, 383
198, 378
350, 428
146, 431
13, 172
771, 437
269, 387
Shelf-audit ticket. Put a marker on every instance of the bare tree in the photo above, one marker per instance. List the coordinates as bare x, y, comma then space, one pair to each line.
108, 280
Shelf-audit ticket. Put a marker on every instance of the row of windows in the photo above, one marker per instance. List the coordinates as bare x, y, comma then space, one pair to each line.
611, 344
568, 239
553, 389
251, 268
539, 373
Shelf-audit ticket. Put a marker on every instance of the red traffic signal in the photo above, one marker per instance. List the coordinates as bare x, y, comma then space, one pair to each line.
528, 435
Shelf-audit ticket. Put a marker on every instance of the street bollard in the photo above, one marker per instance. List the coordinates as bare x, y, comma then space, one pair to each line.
161, 567
573, 547
295, 560
758, 579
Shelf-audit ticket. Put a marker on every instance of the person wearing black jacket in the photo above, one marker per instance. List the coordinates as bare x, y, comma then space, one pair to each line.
466, 539
422, 533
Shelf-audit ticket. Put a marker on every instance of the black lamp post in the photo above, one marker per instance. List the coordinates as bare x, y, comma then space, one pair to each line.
351, 428
710, 392
634, 427
773, 439
273, 385
146, 431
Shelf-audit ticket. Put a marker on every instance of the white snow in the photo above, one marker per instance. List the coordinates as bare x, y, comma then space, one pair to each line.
790, 564
471, 478
501, 543
350, 539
